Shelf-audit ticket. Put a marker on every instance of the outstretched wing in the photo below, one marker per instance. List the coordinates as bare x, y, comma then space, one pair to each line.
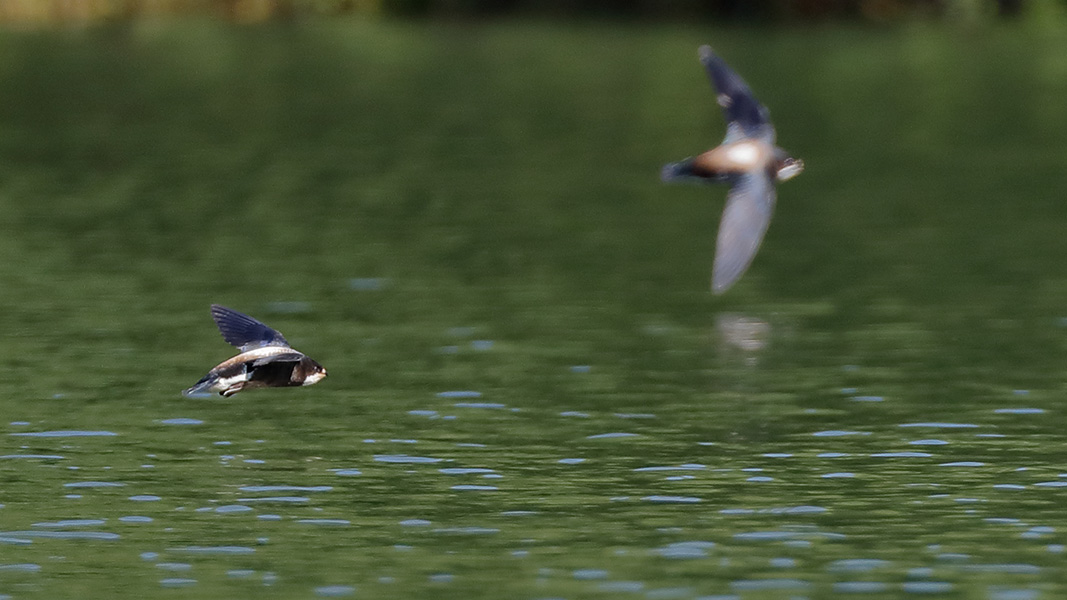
748, 211
745, 116
243, 331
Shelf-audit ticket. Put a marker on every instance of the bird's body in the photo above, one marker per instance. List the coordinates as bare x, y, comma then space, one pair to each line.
731, 159
749, 161
266, 359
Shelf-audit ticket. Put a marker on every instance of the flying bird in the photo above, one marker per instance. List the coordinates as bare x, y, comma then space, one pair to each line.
749, 161
266, 359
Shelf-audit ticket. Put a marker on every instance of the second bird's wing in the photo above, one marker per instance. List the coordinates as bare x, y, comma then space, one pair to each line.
748, 211
745, 116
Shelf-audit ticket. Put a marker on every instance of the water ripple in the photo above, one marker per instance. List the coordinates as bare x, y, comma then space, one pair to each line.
685, 467
926, 587
93, 484
769, 584
64, 433
857, 565
464, 471
403, 458
672, 499
621, 586
860, 587
685, 550
459, 394
181, 421
489, 405
285, 488
21, 567
1010, 568
214, 550
467, 530
61, 535
937, 425
233, 509
334, 591
1019, 411
175, 582
70, 523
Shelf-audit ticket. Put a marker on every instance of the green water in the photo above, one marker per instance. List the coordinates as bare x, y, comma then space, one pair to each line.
532, 393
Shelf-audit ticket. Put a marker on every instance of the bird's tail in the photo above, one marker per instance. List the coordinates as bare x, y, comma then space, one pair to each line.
677, 170
202, 389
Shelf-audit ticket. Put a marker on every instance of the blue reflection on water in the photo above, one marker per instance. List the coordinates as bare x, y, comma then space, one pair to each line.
459, 394
403, 458
937, 425
65, 433
672, 499
62, 535
214, 550
182, 421
21, 567
839, 433
70, 523
174, 582
488, 405
600, 436
685, 550
334, 591
93, 484
285, 488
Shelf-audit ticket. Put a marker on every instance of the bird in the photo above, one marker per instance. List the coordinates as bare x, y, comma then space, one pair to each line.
266, 359
749, 161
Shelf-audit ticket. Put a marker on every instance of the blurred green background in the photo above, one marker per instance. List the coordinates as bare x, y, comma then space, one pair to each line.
52, 11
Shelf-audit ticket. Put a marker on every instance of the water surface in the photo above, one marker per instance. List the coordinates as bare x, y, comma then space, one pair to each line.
532, 393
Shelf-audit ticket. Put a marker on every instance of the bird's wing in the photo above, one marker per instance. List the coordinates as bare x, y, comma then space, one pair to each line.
748, 211
243, 331
745, 116
276, 358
